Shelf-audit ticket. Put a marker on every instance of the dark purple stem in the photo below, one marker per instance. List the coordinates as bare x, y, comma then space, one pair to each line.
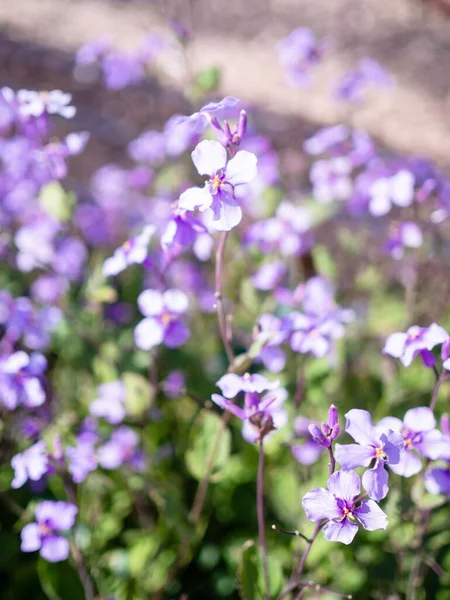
261, 523
332, 463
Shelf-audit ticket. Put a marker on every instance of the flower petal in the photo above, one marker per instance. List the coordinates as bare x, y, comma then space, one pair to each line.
241, 168
359, 425
176, 334
175, 301
209, 157
230, 385
370, 515
395, 344
31, 539
351, 456
226, 216
342, 531
321, 504
409, 465
345, 485
150, 303
420, 419
307, 453
375, 481
55, 548
195, 198
148, 333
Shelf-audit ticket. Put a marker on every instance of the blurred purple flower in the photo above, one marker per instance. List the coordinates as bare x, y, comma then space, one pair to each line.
401, 236
122, 449
298, 54
110, 403
420, 437
174, 384
416, 341
331, 179
210, 158
35, 104
32, 464
181, 231
272, 333
262, 413
386, 191
308, 451
269, 275
383, 447
82, 457
52, 519
162, 323
20, 380
133, 251
337, 505
353, 85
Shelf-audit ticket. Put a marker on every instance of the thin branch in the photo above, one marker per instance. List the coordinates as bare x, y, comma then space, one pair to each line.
261, 523
222, 318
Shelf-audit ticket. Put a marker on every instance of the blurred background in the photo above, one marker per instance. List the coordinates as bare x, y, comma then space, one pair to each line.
410, 38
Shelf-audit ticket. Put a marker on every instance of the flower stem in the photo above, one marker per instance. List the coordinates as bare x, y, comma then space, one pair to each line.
261, 523
332, 463
442, 377
415, 575
219, 299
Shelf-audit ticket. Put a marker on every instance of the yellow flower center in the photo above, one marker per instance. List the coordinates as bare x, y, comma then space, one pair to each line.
216, 182
380, 453
407, 443
166, 317
126, 246
348, 513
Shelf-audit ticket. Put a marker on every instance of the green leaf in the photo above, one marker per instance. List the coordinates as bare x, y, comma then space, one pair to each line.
208, 80
140, 394
60, 581
251, 575
56, 202
248, 580
203, 440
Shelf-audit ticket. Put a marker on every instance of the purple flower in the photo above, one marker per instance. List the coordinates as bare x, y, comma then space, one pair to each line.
31, 464
35, 104
83, 457
308, 451
327, 138
174, 384
149, 147
269, 275
329, 431
437, 480
121, 70
162, 323
298, 53
417, 340
121, 449
52, 519
338, 506
331, 179
210, 158
272, 332
353, 84
110, 403
420, 436
403, 235
261, 413
196, 123
181, 230
20, 382
386, 191
370, 445
133, 251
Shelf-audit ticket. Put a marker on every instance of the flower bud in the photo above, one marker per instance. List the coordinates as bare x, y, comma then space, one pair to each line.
242, 124
333, 416
318, 436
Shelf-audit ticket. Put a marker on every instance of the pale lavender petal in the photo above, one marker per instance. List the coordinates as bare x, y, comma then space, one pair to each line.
110, 455
55, 548
209, 157
148, 334
409, 465
115, 264
273, 358
250, 432
226, 217
229, 406
230, 385
420, 419
34, 394
432, 444
195, 198
375, 481
359, 425
241, 168
435, 335
395, 344
19, 464
307, 453
379, 205
345, 485
370, 515
321, 504
176, 334
387, 423
31, 539
402, 184
342, 531
437, 481
150, 303
392, 446
351, 456
61, 515
175, 301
